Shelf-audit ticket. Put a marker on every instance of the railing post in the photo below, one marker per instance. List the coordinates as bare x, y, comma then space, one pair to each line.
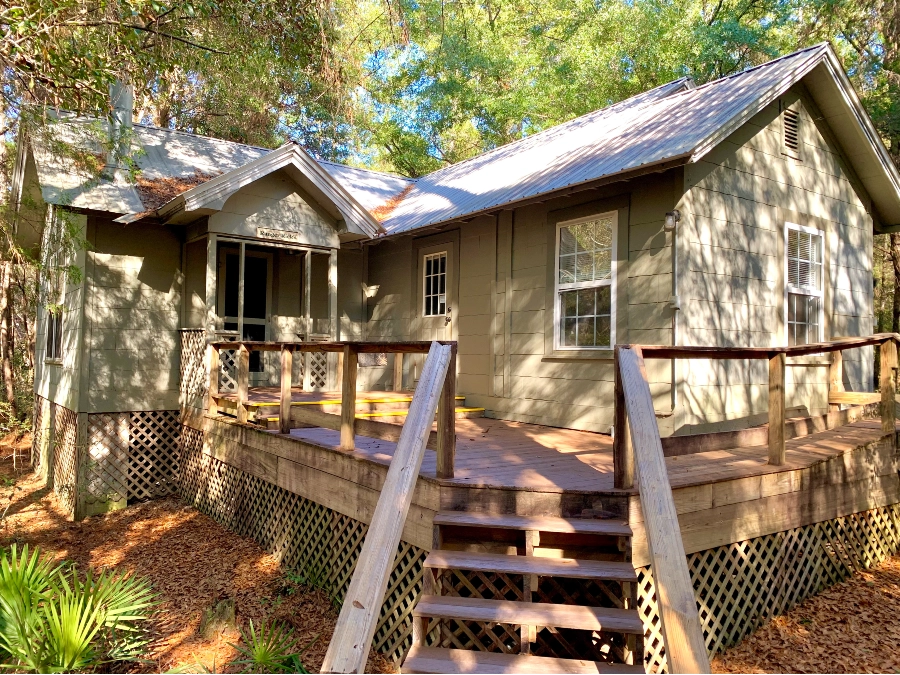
348, 398
623, 453
243, 382
888, 388
446, 431
212, 391
398, 371
835, 378
287, 368
776, 408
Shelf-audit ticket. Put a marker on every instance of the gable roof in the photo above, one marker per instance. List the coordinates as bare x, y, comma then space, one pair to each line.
676, 123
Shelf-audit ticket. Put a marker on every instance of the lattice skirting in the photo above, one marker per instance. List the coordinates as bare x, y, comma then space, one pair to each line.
54, 449
742, 585
131, 456
193, 380
320, 544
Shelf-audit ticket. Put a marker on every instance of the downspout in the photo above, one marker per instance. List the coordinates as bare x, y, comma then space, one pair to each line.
671, 225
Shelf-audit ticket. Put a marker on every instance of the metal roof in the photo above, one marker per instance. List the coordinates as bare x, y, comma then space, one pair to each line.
668, 122
677, 122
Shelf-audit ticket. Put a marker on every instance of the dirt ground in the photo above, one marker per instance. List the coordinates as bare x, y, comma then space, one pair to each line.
191, 561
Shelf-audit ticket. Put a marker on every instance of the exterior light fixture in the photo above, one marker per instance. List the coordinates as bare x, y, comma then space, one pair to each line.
672, 218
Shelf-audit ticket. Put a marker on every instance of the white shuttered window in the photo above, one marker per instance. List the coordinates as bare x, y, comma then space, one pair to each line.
585, 306
805, 255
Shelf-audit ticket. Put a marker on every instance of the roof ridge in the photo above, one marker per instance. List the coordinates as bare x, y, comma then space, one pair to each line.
359, 168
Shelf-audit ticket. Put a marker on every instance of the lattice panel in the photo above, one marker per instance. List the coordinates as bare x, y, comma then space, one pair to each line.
227, 370
41, 411
106, 473
367, 360
153, 454
193, 368
318, 370
317, 542
742, 585
64, 450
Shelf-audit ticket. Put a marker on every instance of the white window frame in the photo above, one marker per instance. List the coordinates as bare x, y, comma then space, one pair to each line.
437, 254
53, 346
558, 288
799, 290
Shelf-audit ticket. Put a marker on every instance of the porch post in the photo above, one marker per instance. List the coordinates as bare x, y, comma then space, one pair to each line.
333, 313
240, 307
211, 263
307, 318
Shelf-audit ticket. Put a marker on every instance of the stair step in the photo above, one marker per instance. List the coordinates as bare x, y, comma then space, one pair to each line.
530, 613
437, 660
615, 528
521, 564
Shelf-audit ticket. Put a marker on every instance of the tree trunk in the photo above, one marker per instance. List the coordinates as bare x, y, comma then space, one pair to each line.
6, 341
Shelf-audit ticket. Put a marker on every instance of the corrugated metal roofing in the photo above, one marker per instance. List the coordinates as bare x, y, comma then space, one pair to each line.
372, 189
664, 123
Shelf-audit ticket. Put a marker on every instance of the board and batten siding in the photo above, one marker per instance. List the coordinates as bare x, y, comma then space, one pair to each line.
732, 288
60, 381
132, 315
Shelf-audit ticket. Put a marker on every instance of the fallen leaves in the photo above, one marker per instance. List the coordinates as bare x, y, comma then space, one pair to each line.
852, 627
192, 562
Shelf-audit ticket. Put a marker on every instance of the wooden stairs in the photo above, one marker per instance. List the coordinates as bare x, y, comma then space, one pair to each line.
387, 407
534, 549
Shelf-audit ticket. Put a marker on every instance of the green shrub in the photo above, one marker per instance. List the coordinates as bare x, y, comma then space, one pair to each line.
53, 621
271, 650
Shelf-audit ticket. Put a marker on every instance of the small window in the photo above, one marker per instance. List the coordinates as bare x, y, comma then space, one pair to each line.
584, 283
54, 335
435, 284
804, 248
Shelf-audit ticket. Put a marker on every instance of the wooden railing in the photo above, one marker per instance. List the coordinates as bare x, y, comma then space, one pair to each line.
289, 414
355, 628
639, 453
778, 430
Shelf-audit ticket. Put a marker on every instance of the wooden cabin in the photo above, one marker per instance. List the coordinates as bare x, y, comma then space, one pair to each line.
737, 214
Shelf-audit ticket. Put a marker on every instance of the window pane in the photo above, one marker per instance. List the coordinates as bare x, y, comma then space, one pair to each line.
584, 267
803, 319
566, 269
602, 337
586, 331
604, 296
602, 264
804, 258
435, 286
568, 332
566, 241
586, 302
570, 303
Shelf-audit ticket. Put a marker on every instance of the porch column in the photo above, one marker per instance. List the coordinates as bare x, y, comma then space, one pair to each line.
307, 318
333, 315
211, 262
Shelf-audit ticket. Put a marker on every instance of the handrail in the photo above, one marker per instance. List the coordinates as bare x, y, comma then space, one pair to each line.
777, 358
444, 441
355, 628
679, 619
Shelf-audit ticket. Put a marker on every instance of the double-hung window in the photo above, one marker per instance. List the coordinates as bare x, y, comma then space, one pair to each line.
585, 274
435, 284
54, 334
805, 254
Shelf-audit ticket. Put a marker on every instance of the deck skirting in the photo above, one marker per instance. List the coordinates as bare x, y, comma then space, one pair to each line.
742, 585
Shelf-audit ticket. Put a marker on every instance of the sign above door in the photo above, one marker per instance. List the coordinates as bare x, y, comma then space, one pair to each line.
278, 235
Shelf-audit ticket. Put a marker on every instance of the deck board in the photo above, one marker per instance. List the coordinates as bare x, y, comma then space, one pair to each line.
500, 453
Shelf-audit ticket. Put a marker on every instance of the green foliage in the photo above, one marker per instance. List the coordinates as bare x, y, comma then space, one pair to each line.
272, 649
53, 621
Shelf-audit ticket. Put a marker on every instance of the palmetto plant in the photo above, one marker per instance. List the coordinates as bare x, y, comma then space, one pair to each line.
53, 621
272, 649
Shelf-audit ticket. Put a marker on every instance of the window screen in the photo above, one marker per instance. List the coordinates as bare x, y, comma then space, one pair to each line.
435, 284
584, 283
54, 335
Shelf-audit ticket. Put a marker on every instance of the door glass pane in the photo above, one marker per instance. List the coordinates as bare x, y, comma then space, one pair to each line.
232, 278
255, 332
256, 271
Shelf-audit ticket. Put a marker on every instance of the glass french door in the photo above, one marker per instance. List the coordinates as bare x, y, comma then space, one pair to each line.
257, 296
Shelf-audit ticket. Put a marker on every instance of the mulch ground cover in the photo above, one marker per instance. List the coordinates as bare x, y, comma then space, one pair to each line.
192, 562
